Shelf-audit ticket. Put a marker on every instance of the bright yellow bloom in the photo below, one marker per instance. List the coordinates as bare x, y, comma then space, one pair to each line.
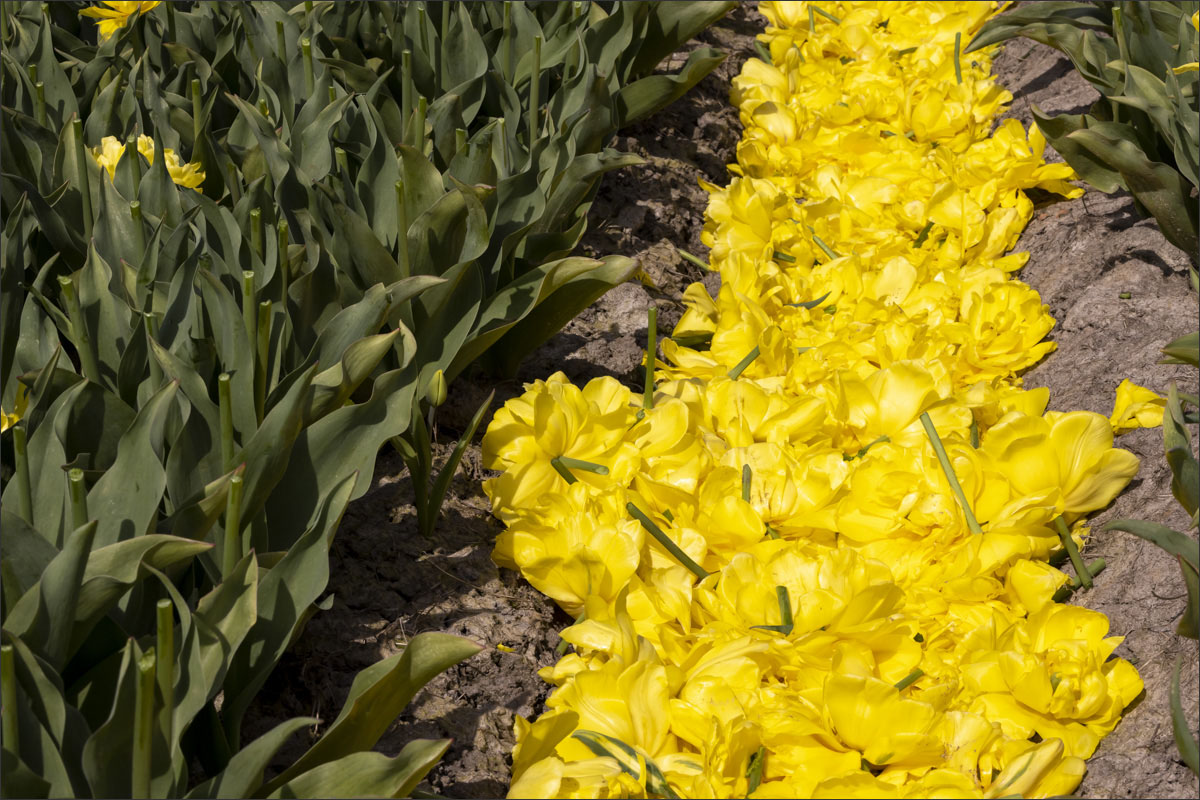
20, 404
117, 14
111, 150
1136, 407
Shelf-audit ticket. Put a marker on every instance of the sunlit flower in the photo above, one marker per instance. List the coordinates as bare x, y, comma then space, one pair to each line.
111, 150
114, 14
1136, 407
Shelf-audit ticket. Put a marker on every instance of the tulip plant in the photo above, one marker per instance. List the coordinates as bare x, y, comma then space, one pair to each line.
244, 246
814, 557
1143, 134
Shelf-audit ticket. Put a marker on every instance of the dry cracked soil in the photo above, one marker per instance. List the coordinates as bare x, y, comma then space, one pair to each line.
1118, 290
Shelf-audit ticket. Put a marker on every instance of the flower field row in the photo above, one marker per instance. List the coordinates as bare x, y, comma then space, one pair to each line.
815, 558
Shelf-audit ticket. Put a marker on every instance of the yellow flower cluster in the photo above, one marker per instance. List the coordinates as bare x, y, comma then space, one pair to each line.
816, 564
114, 14
111, 149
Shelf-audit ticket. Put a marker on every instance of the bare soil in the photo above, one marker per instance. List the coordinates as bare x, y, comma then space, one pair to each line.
389, 583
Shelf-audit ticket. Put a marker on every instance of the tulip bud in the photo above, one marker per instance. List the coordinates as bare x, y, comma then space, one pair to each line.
435, 392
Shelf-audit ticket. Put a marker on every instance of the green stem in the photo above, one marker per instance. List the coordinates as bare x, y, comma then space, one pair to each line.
504, 159
406, 86
197, 123
143, 726
535, 86
249, 320
233, 528
78, 494
150, 324
422, 107
332, 93
262, 359
662, 538
39, 93
747, 476
865, 449
563, 465
686, 256
508, 42
444, 42
235, 192
24, 487
256, 233
309, 80
779, 255
909, 679
281, 259
563, 471
947, 468
923, 235
135, 160
402, 231
958, 57
1064, 593
81, 166
139, 229
561, 649
974, 432
164, 648
827, 15
79, 334
460, 141
1064, 536
225, 398
651, 356
280, 40
339, 155
171, 22
8, 700
825, 248
740, 367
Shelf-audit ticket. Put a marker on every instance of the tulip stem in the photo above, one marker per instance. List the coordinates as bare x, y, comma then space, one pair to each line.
406, 85
24, 487
747, 476
402, 231
566, 462
666, 542
1064, 536
150, 325
866, 448
262, 357
779, 255
79, 334
256, 233
947, 468
8, 699
139, 228
737, 371
81, 167
974, 432
281, 262
651, 356
824, 247
460, 141
1094, 568
225, 398
235, 192
280, 40
826, 15
686, 256
197, 122
78, 494
249, 318
444, 42
309, 79
909, 679
164, 648
233, 528
535, 85
923, 235
563, 471
422, 106
508, 41
39, 93
958, 57
143, 721
561, 649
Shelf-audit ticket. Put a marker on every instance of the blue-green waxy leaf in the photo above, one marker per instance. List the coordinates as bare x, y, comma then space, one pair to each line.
244, 773
377, 696
367, 774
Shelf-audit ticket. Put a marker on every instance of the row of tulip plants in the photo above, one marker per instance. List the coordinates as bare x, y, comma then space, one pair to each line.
245, 245
817, 555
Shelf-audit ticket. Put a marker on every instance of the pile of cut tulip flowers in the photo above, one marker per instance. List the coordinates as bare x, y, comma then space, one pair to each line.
814, 559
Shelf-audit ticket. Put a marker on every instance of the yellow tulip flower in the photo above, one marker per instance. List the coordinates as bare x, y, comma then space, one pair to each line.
111, 149
114, 14
1136, 407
